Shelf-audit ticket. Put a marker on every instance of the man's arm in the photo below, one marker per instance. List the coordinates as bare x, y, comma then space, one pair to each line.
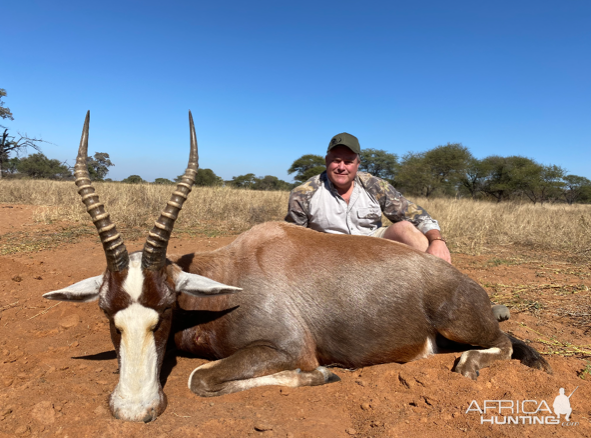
437, 245
296, 210
397, 208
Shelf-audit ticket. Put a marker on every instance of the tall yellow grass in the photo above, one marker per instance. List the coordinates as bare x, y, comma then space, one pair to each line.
468, 225
473, 225
138, 205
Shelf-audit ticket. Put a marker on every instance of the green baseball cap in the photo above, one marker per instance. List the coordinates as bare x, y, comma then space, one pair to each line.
344, 139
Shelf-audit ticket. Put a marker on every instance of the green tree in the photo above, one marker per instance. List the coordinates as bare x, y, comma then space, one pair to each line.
11, 166
414, 176
98, 166
448, 163
540, 183
473, 178
243, 181
133, 179
10, 144
204, 178
4, 112
576, 188
507, 176
437, 170
306, 167
40, 167
270, 182
207, 178
379, 163
163, 181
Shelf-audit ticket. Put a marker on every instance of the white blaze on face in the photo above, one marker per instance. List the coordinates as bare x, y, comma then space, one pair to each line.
134, 282
138, 389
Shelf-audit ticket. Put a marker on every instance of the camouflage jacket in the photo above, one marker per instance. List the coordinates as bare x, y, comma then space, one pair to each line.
317, 205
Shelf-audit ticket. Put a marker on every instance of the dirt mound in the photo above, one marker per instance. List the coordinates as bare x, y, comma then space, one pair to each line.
57, 363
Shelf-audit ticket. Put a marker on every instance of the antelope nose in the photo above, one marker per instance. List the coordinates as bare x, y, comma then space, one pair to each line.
150, 416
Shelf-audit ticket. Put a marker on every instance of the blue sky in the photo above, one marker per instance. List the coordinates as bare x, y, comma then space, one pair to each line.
269, 81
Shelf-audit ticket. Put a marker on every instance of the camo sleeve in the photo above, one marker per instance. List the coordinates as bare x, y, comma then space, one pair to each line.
298, 210
395, 206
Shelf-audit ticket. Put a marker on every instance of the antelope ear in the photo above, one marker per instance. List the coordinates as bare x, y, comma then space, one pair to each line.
82, 292
199, 286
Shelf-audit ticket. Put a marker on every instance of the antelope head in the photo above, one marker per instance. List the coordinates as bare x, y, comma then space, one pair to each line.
137, 292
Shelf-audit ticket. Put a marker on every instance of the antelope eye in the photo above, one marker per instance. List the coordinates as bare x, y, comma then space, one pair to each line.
155, 326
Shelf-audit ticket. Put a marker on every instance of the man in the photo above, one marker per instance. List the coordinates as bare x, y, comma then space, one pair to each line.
342, 200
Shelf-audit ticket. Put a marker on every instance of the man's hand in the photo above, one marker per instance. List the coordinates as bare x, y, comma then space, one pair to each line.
439, 249
437, 246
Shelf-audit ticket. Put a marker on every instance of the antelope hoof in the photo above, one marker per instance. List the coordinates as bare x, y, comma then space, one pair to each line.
329, 376
467, 367
501, 312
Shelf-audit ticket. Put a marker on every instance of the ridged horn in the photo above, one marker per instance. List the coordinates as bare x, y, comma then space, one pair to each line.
115, 251
154, 254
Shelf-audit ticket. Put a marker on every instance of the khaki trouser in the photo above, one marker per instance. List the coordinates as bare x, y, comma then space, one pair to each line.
379, 232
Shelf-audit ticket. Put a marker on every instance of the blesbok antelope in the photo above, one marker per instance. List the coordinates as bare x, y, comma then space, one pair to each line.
304, 300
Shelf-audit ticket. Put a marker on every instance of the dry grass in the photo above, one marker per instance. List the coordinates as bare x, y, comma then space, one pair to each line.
469, 226
473, 225
138, 205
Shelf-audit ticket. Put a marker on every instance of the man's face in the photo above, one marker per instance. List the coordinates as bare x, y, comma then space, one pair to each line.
341, 166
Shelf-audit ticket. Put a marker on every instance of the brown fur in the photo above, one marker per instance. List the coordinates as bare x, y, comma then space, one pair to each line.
319, 299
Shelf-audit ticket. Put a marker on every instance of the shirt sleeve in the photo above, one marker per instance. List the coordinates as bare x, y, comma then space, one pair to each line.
297, 209
396, 207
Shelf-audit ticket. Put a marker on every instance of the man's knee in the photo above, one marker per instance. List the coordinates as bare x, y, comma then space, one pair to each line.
403, 229
403, 226
406, 232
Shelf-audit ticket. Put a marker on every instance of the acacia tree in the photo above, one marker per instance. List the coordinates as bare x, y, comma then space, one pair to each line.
447, 164
576, 188
38, 166
98, 166
474, 176
10, 144
379, 163
270, 182
133, 179
540, 183
163, 181
243, 181
507, 176
437, 170
204, 178
414, 176
306, 167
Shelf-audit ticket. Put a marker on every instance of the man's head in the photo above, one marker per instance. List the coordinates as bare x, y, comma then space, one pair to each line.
342, 160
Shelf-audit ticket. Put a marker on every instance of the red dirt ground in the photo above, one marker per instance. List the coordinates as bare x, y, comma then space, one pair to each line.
57, 362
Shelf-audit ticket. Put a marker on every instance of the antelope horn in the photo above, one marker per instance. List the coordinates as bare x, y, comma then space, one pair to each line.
115, 251
154, 254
